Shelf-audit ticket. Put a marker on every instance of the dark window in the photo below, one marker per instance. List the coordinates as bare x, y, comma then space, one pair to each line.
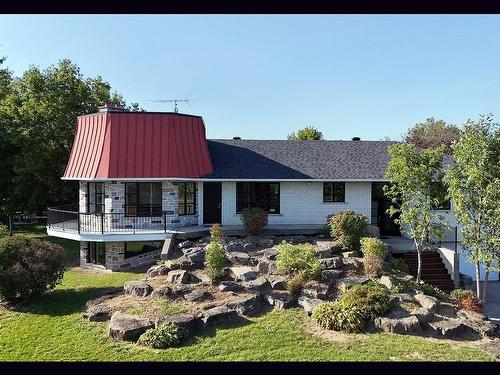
96, 253
136, 248
439, 192
187, 198
333, 191
143, 199
265, 195
95, 198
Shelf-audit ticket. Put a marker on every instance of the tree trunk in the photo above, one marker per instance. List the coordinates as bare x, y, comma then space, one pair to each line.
419, 263
485, 284
10, 226
478, 281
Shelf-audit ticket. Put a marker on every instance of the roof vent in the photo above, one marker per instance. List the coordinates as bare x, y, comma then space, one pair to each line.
108, 107
356, 139
237, 138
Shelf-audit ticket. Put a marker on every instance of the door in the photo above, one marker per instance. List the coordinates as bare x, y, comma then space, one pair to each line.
380, 217
212, 202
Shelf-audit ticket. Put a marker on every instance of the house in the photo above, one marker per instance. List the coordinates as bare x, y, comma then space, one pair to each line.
143, 175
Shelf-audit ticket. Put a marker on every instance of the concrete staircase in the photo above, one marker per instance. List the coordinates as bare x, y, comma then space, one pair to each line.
434, 271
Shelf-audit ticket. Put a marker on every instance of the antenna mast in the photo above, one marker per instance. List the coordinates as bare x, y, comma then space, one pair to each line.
185, 100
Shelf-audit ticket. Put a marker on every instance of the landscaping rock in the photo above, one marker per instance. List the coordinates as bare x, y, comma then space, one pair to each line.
477, 322
447, 310
178, 277
280, 299
217, 315
428, 302
265, 242
242, 273
271, 253
181, 289
314, 289
447, 328
404, 326
185, 244
277, 282
389, 282
238, 258
239, 246
171, 264
230, 286
423, 315
354, 262
182, 263
331, 263
259, 284
323, 253
196, 255
346, 282
329, 276
247, 305
199, 276
126, 327
99, 313
348, 254
198, 295
294, 240
308, 304
163, 291
186, 322
158, 270
137, 288
403, 297
267, 266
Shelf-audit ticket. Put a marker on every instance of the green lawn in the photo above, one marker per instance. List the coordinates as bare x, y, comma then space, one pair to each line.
53, 329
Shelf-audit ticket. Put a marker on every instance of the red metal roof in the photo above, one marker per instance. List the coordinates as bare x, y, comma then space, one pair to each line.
139, 145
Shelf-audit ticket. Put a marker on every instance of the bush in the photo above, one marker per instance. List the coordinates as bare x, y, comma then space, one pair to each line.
339, 316
29, 268
372, 299
254, 219
216, 233
398, 265
325, 231
4, 230
164, 335
295, 283
458, 294
400, 288
429, 289
374, 252
347, 228
215, 257
292, 259
465, 299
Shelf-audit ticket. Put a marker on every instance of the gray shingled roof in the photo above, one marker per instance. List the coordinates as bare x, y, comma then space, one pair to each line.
281, 159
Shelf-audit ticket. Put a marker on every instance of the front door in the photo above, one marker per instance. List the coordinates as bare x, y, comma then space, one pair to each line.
212, 202
380, 217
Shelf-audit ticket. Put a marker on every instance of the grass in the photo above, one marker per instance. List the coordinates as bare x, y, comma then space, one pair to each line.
151, 308
53, 330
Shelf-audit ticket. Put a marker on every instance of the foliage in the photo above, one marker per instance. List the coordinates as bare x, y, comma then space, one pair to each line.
216, 233
325, 231
474, 185
398, 265
347, 227
374, 252
164, 335
309, 133
465, 299
458, 294
4, 230
413, 174
429, 290
432, 134
371, 298
29, 268
296, 282
254, 219
400, 288
339, 316
292, 259
215, 258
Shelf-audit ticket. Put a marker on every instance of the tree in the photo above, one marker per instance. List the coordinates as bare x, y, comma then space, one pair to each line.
433, 133
309, 133
474, 185
414, 174
39, 113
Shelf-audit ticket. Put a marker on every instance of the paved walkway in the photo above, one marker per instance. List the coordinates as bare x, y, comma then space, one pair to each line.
492, 305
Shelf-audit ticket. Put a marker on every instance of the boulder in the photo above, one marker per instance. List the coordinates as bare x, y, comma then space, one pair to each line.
137, 288
447, 328
198, 295
158, 270
230, 286
314, 289
171, 264
242, 273
163, 291
218, 314
259, 284
404, 326
329, 276
477, 322
331, 263
348, 254
178, 277
185, 244
389, 282
270, 253
267, 266
294, 240
99, 313
427, 302
181, 289
423, 314
126, 327
323, 253
186, 322
277, 282
265, 242
195, 255
308, 304
238, 258
182, 263
354, 262
247, 305
346, 282
280, 299
199, 276
239, 246
403, 297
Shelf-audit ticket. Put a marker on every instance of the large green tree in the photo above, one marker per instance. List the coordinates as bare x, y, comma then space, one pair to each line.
474, 185
309, 133
39, 111
433, 133
414, 174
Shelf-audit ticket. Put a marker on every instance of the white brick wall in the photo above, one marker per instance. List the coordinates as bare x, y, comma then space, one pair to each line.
302, 203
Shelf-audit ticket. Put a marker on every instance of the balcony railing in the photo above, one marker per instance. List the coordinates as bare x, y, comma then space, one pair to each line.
67, 220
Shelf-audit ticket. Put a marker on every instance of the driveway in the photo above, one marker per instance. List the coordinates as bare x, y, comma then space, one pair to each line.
492, 305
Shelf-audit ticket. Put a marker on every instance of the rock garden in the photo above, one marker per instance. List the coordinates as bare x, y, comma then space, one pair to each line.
347, 283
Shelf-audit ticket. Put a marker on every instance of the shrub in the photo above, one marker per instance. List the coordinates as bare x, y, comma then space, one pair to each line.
398, 265
372, 299
216, 233
428, 289
296, 282
458, 294
164, 335
4, 230
292, 259
29, 268
254, 219
215, 258
400, 288
325, 230
339, 316
374, 252
347, 228
465, 299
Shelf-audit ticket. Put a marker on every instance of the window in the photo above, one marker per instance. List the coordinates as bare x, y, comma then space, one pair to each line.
258, 194
187, 198
136, 248
95, 198
96, 253
334, 192
143, 199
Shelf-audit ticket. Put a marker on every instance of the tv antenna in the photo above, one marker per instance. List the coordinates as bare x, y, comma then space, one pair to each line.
175, 101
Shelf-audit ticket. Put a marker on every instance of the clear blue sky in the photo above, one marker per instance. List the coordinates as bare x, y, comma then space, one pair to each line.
266, 76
